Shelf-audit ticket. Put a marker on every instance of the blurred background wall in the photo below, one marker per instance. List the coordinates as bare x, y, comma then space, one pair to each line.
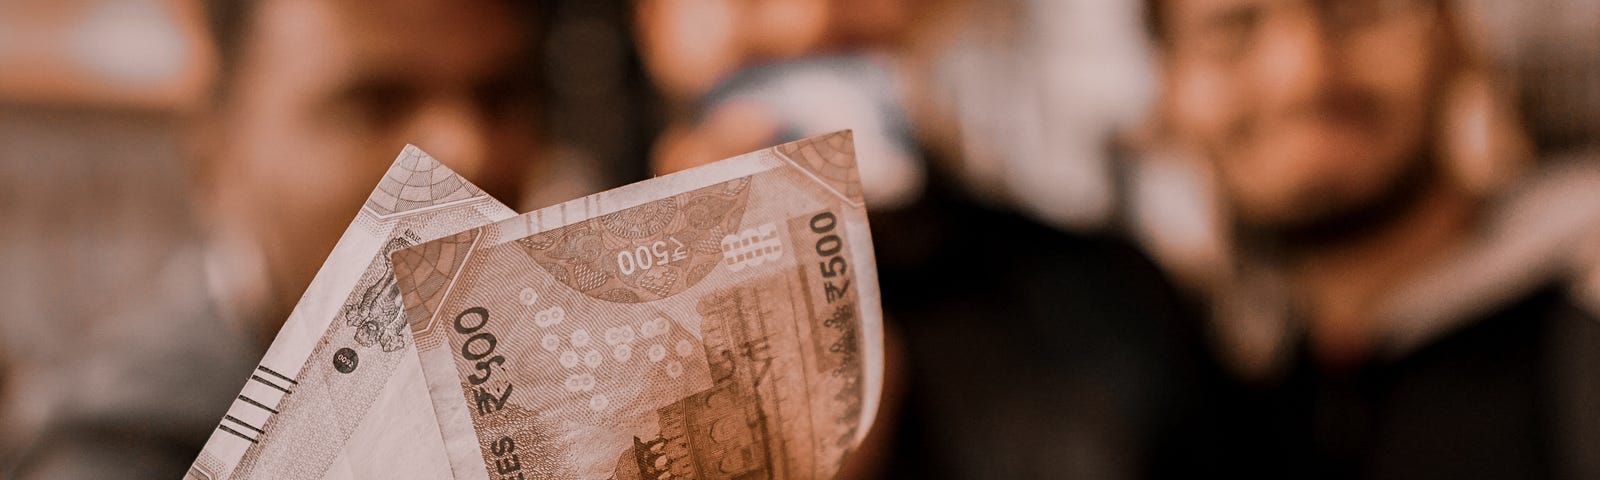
92, 189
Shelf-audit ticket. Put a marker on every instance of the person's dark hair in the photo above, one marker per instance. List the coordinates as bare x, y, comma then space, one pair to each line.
1155, 22
230, 21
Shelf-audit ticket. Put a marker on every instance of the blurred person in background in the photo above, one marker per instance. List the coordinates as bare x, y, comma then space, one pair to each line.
1017, 349
1402, 288
1035, 340
313, 101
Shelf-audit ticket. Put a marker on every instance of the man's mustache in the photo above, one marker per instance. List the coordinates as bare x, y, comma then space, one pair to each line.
1348, 106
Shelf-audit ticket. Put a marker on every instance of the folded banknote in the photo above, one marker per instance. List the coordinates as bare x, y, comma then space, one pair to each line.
720, 322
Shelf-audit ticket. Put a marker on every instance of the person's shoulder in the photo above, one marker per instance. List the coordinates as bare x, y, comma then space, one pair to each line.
1034, 245
966, 226
999, 253
1585, 287
1566, 190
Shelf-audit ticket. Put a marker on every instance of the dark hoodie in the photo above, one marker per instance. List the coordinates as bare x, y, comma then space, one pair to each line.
1489, 365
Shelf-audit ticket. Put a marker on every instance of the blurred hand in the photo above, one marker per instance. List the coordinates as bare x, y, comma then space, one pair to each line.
737, 127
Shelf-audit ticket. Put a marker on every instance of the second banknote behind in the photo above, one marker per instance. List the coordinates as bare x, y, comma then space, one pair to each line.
717, 323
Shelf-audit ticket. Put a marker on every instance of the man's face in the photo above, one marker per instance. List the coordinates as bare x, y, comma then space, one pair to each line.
327, 92
1308, 109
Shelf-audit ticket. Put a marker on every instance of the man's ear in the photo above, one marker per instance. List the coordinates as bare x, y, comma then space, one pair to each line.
1480, 136
1481, 139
